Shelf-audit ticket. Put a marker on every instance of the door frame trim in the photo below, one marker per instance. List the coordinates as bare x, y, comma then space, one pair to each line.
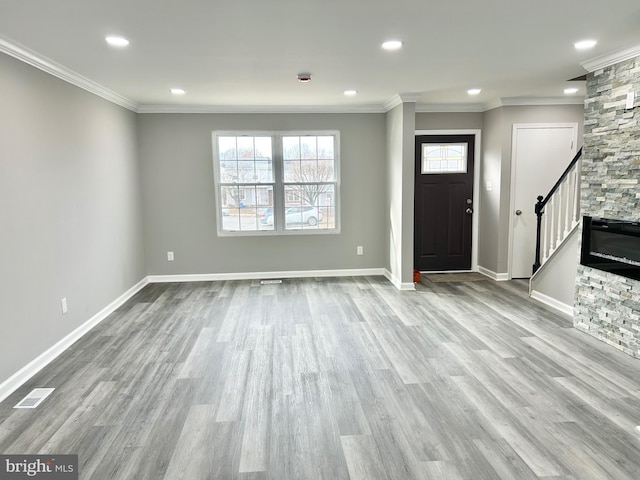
512, 165
477, 133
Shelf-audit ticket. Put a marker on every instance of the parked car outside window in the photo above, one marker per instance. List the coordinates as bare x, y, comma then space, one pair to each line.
266, 216
306, 214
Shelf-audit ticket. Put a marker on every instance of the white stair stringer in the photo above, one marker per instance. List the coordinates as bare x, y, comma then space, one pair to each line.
554, 282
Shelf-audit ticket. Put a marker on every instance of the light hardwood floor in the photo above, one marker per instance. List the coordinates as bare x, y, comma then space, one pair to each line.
335, 378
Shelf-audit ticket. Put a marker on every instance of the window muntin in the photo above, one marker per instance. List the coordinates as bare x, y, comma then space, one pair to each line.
444, 158
276, 183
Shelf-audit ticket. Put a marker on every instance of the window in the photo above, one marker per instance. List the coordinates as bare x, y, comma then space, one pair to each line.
276, 183
446, 158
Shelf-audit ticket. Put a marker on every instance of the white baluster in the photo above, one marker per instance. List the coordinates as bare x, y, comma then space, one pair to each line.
572, 199
545, 235
568, 222
561, 195
552, 241
552, 225
576, 209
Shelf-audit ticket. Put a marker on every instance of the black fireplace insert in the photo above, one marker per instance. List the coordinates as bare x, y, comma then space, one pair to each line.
611, 245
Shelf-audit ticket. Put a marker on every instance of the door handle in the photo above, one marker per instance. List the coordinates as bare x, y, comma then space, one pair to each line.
518, 212
469, 211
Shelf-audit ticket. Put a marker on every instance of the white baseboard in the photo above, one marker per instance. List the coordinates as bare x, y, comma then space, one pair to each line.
212, 277
397, 283
553, 303
25, 373
498, 277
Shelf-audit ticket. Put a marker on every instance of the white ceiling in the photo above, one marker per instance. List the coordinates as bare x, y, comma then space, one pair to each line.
247, 53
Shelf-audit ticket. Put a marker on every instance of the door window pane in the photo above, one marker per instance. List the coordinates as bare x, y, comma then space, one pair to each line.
444, 158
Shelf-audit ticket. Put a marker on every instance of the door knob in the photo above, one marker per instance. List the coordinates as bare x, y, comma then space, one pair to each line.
518, 212
469, 211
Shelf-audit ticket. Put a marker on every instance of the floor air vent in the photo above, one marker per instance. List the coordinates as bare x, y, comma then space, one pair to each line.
34, 398
270, 282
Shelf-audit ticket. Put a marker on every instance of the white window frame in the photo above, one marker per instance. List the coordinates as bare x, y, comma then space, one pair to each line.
278, 184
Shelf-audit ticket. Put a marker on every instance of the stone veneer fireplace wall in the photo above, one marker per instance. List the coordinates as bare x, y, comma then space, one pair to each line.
607, 306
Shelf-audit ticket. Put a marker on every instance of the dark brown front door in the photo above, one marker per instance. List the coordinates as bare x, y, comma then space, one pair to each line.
443, 202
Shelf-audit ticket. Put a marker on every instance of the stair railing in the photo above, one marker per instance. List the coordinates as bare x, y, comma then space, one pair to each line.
563, 205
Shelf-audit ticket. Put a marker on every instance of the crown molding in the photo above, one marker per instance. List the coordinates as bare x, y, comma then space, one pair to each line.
260, 109
533, 101
609, 59
449, 108
399, 99
497, 103
47, 65
522, 101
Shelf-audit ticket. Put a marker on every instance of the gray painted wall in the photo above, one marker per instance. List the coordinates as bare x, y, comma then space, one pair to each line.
179, 201
449, 121
491, 168
527, 114
400, 184
557, 277
70, 210
497, 156
408, 189
393, 206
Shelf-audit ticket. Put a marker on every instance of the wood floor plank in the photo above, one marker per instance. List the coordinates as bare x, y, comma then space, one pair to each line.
504, 460
233, 396
197, 361
257, 407
195, 453
621, 414
335, 378
369, 346
508, 426
440, 470
363, 458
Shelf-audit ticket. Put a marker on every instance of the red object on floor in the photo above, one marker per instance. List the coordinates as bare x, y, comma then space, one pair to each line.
416, 276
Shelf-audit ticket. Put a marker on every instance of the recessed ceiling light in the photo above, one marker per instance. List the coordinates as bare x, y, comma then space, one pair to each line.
304, 77
570, 90
585, 44
392, 45
474, 91
350, 93
177, 91
116, 41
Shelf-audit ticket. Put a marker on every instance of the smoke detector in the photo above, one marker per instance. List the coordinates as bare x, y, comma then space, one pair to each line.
304, 77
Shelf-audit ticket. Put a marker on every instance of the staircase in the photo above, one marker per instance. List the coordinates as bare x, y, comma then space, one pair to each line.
558, 218
558, 213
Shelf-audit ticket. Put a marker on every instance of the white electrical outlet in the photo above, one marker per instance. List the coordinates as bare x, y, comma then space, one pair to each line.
63, 304
170, 256
360, 250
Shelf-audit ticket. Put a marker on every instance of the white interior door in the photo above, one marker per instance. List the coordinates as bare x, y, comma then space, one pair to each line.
541, 152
